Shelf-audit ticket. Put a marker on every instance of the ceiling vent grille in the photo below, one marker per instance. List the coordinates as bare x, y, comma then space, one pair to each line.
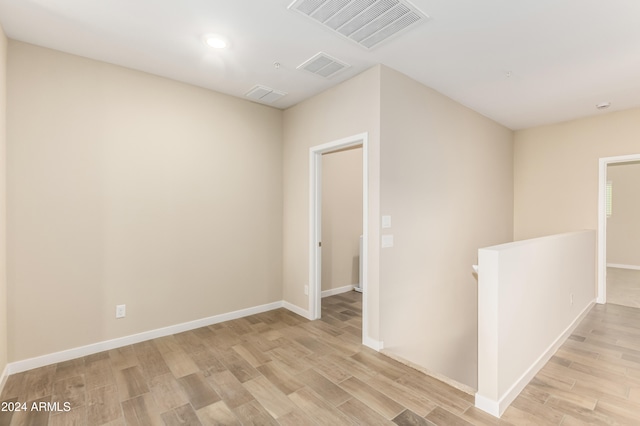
366, 22
323, 65
264, 94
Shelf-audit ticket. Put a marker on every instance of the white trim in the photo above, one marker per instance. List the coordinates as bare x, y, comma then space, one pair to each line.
487, 405
297, 310
602, 232
376, 345
618, 265
338, 290
602, 220
315, 233
3, 378
41, 361
315, 174
364, 255
497, 408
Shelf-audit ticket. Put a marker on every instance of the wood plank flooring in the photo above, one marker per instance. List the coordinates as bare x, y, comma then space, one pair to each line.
623, 287
277, 368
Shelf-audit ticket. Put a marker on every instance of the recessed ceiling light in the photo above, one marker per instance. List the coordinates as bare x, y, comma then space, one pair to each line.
216, 41
603, 105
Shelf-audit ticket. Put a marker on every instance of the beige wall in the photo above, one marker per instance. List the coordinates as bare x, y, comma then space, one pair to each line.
446, 182
3, 205
556, 171
348, 109
623, 227
126, 188
341, 218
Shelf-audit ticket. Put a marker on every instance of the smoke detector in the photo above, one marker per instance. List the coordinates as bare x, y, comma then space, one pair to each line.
366, 22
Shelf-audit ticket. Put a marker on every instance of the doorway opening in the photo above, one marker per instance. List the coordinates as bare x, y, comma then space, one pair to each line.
315, 221
603, 190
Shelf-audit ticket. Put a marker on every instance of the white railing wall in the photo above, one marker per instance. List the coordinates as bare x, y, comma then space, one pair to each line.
531, 295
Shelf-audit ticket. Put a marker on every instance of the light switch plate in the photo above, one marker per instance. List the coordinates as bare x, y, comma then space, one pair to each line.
387, 241
386, 221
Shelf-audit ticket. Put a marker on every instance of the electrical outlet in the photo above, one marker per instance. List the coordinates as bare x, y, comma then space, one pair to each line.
121, 311
306, 290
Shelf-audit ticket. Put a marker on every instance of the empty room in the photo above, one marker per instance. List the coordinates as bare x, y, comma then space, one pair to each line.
319, 212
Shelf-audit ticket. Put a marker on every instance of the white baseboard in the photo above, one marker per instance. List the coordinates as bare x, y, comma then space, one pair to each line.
497, 408
3, 378
621, 266
376, 345
66, 355
339, 290
297, 310
488, 405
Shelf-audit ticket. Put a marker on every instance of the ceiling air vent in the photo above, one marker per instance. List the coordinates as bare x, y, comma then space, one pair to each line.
323, 65
367, 22
264, 94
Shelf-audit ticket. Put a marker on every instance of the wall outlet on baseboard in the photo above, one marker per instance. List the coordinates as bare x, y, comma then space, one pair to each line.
121, 311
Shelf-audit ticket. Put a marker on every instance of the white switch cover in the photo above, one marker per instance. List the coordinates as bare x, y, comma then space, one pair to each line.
386, 221
387, 241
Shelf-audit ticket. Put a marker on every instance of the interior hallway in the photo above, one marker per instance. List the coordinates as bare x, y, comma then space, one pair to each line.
278, 368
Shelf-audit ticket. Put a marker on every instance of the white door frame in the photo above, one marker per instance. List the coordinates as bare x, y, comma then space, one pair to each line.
315, 216
602, 220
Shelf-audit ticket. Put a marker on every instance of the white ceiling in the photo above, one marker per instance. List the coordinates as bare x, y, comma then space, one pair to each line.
563, 56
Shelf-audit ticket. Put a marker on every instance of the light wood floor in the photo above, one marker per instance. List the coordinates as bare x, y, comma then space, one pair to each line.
277, 368
623, 287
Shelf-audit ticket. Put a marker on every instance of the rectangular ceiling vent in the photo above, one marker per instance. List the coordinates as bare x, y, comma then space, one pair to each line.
323, 65
264, 94
367, 22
